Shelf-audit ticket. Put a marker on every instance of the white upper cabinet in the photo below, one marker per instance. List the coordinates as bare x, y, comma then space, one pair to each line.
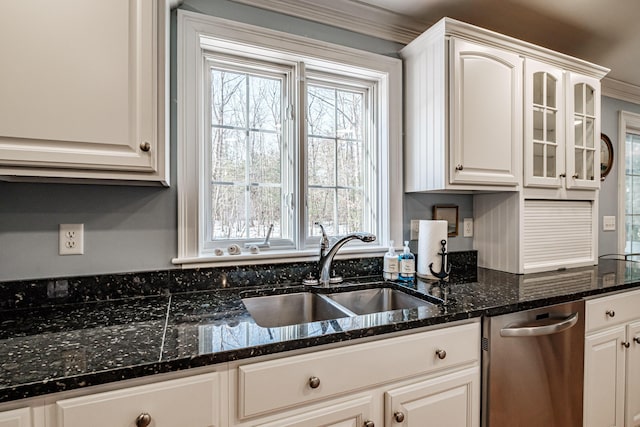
83, 90
463, 113
466, 91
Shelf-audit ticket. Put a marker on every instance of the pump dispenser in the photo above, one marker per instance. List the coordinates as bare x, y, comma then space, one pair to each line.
407, 264
391, 264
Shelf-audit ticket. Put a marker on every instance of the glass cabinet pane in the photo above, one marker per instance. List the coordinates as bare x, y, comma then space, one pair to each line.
538, 159
538, 88
538, 124
551, 161
578, 101
589, 101
590, 166
579, 164
551, 126
578, 131
589, 135
551, 91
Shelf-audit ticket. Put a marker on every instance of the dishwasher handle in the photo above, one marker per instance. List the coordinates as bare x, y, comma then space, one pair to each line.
530, 329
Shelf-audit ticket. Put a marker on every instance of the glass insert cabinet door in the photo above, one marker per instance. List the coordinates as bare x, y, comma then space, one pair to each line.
544, 130
583, 132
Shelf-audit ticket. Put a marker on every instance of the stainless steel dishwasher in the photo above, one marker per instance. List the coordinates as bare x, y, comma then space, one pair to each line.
532, 366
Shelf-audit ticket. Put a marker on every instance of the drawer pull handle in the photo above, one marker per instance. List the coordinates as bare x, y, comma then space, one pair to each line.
369, 423
143, 420
610, 313
314, 382
441, 354
398, 416
145, 146
626, 344
637, 340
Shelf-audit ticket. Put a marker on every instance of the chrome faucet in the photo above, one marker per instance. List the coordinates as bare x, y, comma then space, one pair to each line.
327, 254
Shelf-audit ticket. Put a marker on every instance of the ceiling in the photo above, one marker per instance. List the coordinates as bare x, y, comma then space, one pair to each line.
603, 32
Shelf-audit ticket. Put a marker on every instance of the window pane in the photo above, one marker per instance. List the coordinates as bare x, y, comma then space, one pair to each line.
628, 233
635, 196
635, 234
228, 155
350, 164
321, 161
321, 117
265, 106
349, 115
265, 210
321, 206
229, 98
628, 194
228, 212
350, 214
265, 158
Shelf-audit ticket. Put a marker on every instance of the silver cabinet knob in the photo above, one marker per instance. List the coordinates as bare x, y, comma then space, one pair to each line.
398, 416
143, 420
459, 167
314, 382
610, 313
145, 146
626, 344
575, 176
369, 423
637, 340
441, 354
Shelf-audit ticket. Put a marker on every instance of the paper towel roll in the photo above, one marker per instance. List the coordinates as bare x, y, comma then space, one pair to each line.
429, 236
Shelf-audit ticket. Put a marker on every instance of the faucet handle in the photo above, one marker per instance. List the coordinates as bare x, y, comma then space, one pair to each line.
324, 241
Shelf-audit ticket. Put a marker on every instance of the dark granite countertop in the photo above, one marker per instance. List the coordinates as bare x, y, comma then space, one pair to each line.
68, 346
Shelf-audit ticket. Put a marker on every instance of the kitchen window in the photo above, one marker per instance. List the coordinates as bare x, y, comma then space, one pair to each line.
277, 132
629, 179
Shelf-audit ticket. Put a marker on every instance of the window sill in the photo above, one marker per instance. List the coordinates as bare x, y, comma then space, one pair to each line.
274, 257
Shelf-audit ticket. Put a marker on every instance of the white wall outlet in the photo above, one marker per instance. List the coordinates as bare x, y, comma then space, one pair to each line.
608, 223
71, 239
468, 227
415, 229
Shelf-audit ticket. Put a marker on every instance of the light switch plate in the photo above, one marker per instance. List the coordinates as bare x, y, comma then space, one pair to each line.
415, 229
609, 223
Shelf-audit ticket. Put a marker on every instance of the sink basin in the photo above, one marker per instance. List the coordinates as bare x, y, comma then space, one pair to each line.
369, 301
291, 309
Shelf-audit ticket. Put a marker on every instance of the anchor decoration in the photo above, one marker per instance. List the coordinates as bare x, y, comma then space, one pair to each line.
445, 269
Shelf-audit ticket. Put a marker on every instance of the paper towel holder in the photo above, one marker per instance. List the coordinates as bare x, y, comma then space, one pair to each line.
447, 213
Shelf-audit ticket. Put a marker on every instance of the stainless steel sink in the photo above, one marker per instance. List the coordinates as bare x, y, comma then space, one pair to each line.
291, 309
369, 301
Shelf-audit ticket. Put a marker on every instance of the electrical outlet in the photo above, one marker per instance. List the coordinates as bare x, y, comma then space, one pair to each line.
468, 227
71, 239
415, 229
608, 223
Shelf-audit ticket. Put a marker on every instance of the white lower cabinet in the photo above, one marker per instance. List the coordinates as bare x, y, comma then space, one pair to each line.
424, 379
612, 361
17, 418
189, 402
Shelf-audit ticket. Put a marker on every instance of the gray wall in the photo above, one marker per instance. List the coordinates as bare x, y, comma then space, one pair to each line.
608, 242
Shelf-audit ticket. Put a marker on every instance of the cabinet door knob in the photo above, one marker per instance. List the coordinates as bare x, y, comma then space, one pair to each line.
143, 420
459, 167
610, 313
441, 354
398, 416
626, 344
314, 382
563, 175
145, 146
575, 176
369, 423
637, 340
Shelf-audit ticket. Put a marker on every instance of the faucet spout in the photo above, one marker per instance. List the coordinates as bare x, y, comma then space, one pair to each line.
326, 257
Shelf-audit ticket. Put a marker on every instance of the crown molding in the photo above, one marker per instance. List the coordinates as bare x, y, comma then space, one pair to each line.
358, 17
620, 90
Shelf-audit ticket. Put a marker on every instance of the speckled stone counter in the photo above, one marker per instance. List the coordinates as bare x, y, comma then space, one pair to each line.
47, 349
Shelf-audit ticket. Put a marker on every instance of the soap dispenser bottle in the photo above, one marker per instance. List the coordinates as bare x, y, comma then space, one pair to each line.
407, 264
391, 264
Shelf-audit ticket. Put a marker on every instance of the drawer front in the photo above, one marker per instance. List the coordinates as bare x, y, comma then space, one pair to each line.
282, 383
192, 402
612, 310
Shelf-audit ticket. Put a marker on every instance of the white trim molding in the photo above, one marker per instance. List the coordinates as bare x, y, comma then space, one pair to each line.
620, 90
358, 17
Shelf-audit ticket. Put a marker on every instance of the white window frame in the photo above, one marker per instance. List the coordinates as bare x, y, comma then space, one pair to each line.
197, 33
628, 122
